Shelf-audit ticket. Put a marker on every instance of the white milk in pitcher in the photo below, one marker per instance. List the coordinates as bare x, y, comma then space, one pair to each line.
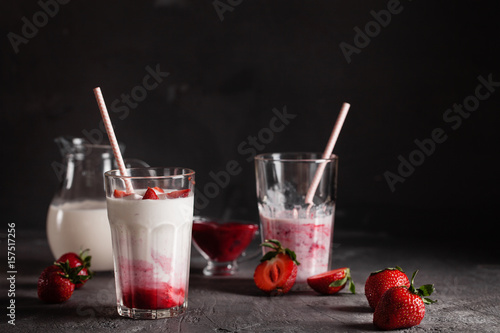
76, 226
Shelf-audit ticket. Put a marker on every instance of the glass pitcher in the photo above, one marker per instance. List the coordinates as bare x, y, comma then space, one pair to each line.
77, 217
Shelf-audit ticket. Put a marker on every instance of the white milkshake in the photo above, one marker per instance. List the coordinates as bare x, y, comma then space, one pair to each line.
152, 244
76, 226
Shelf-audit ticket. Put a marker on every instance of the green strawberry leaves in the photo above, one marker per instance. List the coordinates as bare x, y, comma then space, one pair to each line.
397, 268
268, 256
275, 245
422, 291
352, 287
71, 273
341, 282
86, 258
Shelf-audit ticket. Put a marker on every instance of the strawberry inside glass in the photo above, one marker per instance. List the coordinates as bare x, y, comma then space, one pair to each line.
221, 242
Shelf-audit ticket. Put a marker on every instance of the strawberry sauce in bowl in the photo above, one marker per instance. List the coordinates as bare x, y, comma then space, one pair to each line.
221, 243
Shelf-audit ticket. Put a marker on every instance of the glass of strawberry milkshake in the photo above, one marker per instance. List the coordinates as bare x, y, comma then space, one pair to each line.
283, 180
150, 212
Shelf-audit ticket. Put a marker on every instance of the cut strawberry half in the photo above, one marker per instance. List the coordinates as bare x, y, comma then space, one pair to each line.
150, 194
332, 282
276, 273
276, 276
120, 194
178, 194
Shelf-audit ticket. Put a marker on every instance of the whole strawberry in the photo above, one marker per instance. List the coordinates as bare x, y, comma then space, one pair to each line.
277, 271
402, 307
332, 282
82, 260
380, 281
57, 283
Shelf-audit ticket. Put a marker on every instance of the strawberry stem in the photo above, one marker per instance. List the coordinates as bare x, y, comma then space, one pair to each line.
85, 257
275, 245
425, 290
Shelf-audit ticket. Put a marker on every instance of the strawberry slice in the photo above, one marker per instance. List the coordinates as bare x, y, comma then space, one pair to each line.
332, 282
158, 189
150, 194
178, 194
120, 194
276, 273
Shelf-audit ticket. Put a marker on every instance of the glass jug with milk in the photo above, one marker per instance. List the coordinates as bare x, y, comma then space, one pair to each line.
77, 217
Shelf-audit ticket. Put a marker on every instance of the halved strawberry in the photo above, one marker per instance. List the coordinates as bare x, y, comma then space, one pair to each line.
178, 194
332, 282
121, 194
150, 194
276, 273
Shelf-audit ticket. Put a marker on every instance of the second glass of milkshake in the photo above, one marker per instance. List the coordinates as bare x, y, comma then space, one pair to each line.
283, 180
150, 212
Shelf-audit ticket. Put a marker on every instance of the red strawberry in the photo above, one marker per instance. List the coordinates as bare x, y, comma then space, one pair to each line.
120, 194
158, 189
276, 273
332, 282
83, 260
178, 194
150, 194
56, 283
402, 307
380, 281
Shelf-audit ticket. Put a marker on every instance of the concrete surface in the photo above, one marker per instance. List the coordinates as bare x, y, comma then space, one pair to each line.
467, 284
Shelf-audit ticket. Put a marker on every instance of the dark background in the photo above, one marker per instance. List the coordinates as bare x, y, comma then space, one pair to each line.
226, 77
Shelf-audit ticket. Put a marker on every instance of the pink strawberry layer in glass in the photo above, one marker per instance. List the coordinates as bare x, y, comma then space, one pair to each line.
223, 242
309, 238
143, 290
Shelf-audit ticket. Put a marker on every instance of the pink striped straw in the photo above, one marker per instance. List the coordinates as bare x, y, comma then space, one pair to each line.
112, 137
327, 153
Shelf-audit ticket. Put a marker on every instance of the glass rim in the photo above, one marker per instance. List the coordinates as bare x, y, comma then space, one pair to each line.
289, 157
115, 173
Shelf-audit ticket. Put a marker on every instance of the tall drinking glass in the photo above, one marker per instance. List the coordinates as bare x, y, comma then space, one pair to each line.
151, 235
283, 180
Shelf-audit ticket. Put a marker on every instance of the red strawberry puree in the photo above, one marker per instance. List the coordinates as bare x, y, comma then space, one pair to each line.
146, 288
223, 241
162, 297
310, 239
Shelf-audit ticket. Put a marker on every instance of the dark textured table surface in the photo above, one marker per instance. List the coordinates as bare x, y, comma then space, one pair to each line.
467, 285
